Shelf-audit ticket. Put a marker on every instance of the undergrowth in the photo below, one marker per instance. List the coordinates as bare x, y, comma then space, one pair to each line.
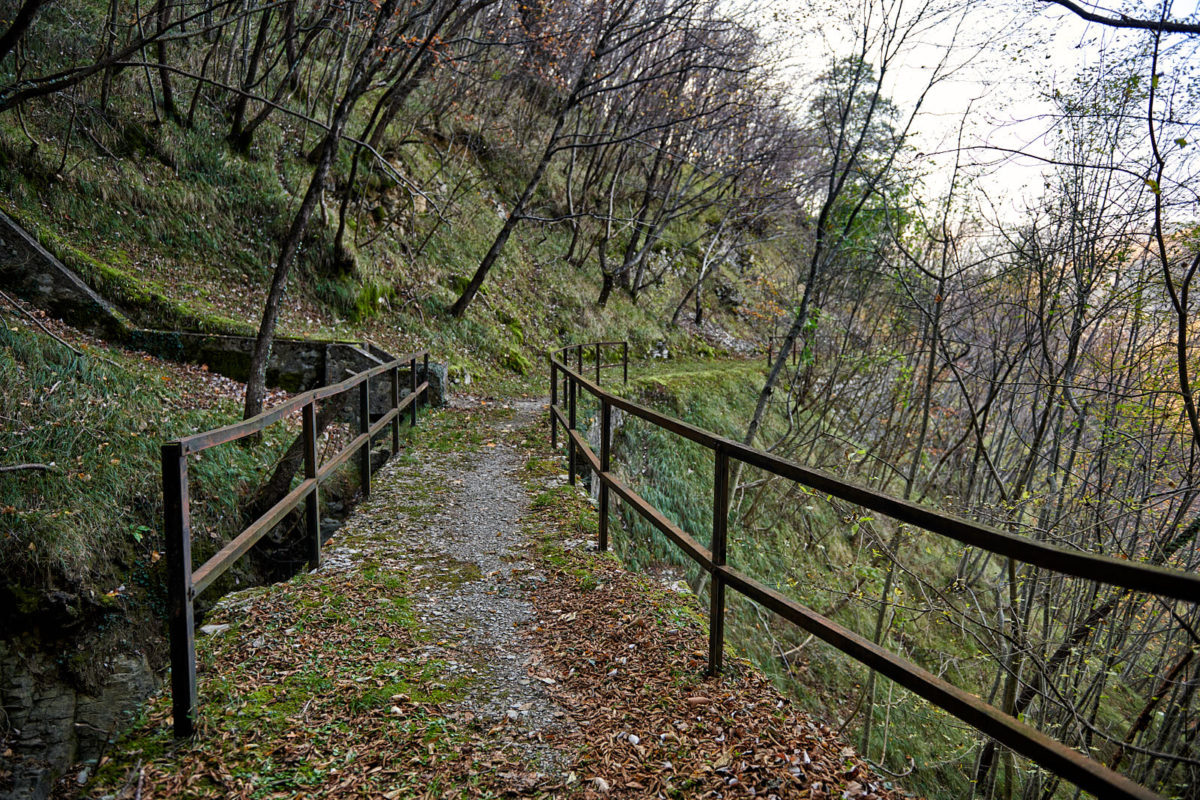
89, 525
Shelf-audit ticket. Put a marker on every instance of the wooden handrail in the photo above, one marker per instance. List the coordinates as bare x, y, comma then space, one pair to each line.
1025, 739
184, 585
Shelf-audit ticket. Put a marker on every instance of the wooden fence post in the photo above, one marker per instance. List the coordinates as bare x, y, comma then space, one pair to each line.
312, 503
571, 391
364, 426
179, 588
716, 613
597, 363
412, 380
395, 405
625, 361
605, 436
553, 404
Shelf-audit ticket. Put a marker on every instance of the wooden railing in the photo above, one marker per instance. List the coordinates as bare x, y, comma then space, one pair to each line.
1051, 754
184, 585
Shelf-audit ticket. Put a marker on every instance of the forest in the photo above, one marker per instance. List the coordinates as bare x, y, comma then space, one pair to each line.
983, 308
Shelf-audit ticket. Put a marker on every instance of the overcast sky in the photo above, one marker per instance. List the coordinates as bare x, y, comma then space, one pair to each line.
1008, 54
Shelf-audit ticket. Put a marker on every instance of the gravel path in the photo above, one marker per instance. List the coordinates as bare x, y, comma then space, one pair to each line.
464, 549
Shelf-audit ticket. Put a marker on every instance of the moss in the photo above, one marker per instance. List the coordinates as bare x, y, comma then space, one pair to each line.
516, 361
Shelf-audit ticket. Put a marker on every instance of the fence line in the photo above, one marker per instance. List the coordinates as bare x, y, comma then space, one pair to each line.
184, 585
1055, 756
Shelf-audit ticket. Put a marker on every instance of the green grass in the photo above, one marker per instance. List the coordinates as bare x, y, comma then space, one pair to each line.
100, 423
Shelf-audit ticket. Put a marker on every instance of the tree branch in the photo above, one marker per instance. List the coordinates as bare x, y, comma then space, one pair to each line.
1125, 21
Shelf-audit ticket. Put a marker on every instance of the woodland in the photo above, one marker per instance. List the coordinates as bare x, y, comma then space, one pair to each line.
711, 181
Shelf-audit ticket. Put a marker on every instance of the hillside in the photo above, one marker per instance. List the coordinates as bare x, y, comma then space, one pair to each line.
492, 180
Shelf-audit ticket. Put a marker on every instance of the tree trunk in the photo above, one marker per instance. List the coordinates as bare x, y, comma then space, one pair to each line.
19, 25
514, 216
163, 17
237, 136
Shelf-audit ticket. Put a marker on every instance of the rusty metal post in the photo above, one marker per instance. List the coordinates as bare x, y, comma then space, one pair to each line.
413, 388
312, 505
395, 405
625, 361
571, 390
605, 435
364, 426
553, 404
179, 589
716, 592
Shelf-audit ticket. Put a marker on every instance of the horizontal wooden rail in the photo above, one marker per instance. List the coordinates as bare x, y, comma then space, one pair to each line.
1091, 566
241, 544
696, 551
183, 584
1049, 753
239, 430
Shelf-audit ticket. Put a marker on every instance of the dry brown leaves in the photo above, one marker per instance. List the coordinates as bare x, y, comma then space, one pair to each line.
316, 691
629, 660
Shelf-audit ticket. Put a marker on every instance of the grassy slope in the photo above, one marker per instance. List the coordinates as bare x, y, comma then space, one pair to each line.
89, 529
181, 232
820, 564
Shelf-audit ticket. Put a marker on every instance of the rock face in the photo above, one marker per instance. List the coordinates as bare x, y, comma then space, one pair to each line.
46, 725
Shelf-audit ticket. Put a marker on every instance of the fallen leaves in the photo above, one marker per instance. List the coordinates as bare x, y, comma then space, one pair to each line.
649, 723
324, 686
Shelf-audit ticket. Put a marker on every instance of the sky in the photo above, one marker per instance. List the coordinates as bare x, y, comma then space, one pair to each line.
1008, 55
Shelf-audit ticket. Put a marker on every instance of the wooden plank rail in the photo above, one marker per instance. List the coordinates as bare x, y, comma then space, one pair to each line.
1051, 754
184, 585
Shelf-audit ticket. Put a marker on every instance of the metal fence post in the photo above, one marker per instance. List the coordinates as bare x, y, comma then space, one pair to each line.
312, 503
625, 361
364, 426
553, 404
571, 390
605, 435
716, 613
179, 588
597, 363
425, 366
579, 358
413, 388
